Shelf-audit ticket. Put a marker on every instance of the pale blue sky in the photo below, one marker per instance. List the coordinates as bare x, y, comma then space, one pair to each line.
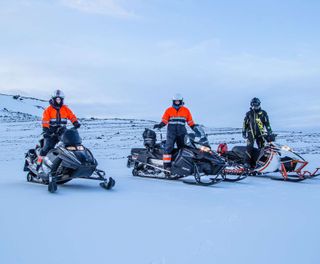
126, 58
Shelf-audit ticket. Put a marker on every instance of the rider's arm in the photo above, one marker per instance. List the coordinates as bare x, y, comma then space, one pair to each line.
46, 119
165, 120
190, 119
245, 126
71, 116
267, 123
166, 117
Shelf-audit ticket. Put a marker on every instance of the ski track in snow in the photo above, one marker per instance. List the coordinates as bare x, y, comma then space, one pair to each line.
148, 221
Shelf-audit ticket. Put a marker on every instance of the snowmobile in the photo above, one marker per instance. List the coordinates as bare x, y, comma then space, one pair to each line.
195, 164
274, 160
68, 160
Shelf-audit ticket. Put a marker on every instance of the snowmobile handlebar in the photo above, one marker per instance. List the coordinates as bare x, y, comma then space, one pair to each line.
269, 137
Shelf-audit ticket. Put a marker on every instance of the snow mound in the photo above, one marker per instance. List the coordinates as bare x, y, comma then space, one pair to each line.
20, 108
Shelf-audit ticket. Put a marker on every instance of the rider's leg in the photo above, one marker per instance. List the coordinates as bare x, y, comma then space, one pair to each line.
250, 162
49, 144
167, 156
180, 141
260, 142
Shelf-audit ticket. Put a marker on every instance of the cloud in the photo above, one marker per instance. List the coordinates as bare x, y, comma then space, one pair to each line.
103, 7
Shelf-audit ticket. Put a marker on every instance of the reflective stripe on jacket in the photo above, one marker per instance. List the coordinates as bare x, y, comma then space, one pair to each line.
256, 122
53, 117
182, 116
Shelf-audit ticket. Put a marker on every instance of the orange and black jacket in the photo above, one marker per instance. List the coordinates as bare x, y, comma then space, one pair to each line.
176, 119
54, 117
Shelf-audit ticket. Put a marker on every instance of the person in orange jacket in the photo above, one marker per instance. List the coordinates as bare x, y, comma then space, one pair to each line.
54, 122
176, 117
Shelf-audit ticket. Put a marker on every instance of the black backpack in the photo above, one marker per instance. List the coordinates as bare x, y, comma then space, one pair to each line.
149, 138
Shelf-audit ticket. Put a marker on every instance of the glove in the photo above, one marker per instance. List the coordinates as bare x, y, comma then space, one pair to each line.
196, 130
244, 135
270, 137
159, 126
60, 131
76, 125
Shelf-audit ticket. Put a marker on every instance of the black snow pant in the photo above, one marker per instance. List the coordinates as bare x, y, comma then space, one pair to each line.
175, 135
250, 148
49, 143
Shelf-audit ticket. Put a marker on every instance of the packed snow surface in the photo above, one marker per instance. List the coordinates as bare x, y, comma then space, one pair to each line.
145, 221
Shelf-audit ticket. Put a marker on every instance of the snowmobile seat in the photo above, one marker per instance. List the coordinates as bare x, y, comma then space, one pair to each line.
240, 153
137, 151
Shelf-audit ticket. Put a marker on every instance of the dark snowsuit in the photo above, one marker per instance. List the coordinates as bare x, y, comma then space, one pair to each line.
49, 143
254, 125
176, 119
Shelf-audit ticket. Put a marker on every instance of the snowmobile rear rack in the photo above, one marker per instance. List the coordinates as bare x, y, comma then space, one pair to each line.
298, 174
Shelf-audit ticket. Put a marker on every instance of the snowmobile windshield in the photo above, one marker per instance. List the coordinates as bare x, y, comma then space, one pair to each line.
71, 138
197, 139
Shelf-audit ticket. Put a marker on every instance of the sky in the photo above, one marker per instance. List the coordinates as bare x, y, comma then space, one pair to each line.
127, 58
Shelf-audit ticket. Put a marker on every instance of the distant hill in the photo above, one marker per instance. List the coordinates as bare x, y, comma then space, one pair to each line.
20, 108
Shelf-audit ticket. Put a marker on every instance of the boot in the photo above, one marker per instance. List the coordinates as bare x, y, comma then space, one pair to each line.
39, 162
167, 167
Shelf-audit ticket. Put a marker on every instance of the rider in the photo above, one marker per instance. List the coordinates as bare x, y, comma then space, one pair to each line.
54, 122
254, 126
176, 117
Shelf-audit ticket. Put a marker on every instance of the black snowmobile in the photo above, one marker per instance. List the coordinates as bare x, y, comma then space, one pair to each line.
196, 159
67, 161
271, 160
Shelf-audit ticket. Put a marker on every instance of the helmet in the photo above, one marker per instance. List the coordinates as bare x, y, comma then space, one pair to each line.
256, 103
177, 100
57, 93
57, 98
177, 97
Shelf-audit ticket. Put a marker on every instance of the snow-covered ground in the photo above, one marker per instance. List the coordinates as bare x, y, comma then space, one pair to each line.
144, 221
20, 108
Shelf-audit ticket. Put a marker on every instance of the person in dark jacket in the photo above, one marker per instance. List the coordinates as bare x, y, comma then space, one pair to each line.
176, 117
54, 122
255, 127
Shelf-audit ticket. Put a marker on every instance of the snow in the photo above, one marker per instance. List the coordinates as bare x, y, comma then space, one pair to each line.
20, 108
144, 221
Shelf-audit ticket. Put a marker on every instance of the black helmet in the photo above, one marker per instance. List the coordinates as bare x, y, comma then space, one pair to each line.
256, 103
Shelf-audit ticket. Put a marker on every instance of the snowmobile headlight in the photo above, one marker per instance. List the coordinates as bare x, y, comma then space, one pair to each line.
286, 148
205, 149
71, 148
81, 148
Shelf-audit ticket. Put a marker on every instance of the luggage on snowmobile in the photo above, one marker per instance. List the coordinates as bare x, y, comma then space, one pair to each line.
149, 138
67, 161
195, 160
